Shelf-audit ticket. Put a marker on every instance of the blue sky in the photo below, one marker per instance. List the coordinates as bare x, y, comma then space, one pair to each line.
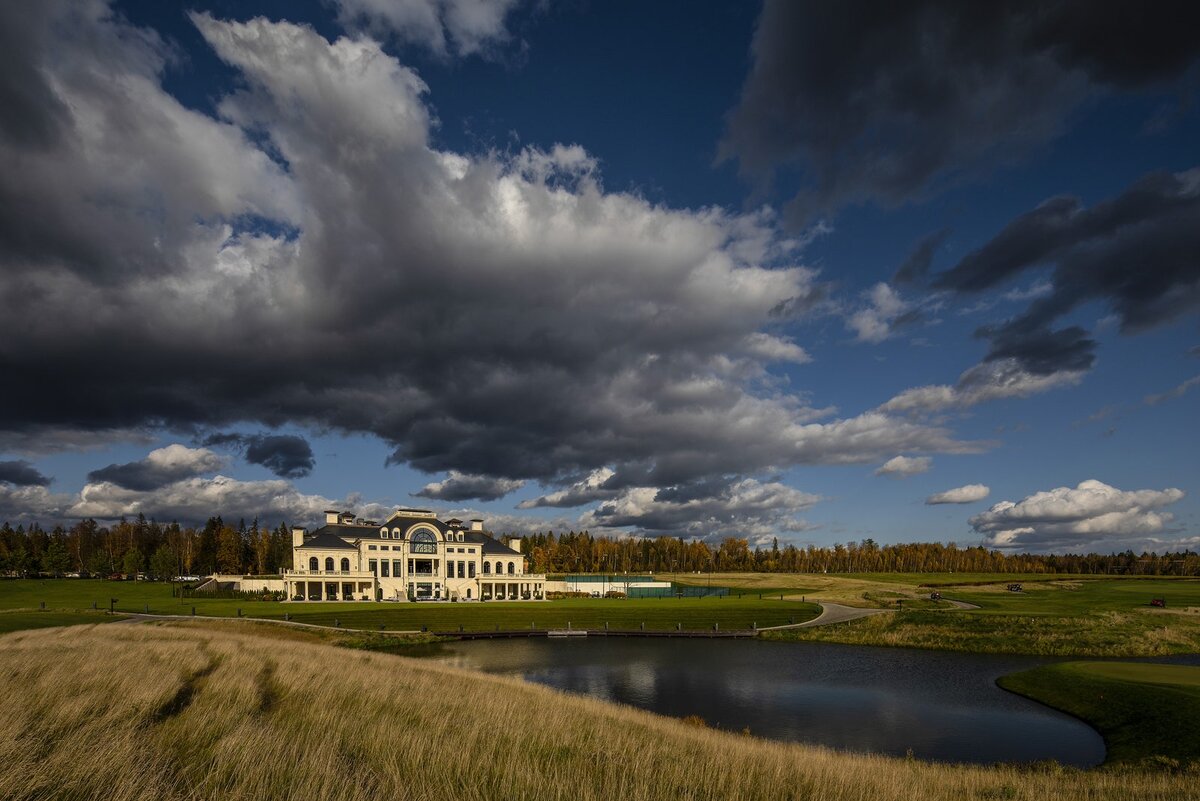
619, 266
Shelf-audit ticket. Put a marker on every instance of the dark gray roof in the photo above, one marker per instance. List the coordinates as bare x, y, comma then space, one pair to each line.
493, 547
334, 536
330, 537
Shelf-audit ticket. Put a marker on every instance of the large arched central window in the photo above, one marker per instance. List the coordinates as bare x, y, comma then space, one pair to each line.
423, 541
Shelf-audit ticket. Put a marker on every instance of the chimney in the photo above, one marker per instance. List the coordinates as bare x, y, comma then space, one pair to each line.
331, 517
477, 524
347, 518
515, 543
297, 536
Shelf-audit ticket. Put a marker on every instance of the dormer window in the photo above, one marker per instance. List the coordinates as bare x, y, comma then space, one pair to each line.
396, 534
383, 532
460, 536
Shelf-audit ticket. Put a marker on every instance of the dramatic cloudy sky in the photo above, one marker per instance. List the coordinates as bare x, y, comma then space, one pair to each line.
821, 271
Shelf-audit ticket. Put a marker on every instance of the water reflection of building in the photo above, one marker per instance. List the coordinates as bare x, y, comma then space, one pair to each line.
412, 556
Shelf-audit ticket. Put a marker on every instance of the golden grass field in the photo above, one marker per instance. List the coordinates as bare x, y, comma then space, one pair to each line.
228, 711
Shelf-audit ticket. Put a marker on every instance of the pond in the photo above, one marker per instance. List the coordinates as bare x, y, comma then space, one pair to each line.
937, 705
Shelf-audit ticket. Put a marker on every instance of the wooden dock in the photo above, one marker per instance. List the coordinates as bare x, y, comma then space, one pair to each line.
502, 634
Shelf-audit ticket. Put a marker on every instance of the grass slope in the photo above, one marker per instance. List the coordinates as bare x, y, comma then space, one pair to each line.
1063, 617
70, 595
1147, 713
197, 712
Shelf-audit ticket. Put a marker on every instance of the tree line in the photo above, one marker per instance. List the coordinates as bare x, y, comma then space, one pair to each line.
145, 546
584, 553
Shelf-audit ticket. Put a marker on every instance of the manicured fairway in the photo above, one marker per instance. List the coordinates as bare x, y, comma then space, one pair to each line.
17, 620
656, 613
1145, 712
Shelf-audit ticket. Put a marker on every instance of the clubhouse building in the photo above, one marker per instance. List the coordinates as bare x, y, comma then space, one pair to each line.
412, 556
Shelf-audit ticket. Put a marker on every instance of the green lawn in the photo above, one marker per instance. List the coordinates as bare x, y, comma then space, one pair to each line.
69, 595
1064, 617
19, 619
1148, 714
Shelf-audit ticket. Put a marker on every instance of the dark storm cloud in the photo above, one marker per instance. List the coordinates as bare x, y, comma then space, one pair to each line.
1139, 253
916, 267
285, 455
161, 467
884, 101
22, 474
496, 315
462, 487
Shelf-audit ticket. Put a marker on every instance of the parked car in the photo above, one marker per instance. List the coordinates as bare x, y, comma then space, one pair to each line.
1015, 588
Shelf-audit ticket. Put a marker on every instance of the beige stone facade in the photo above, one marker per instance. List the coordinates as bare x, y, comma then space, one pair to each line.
412, 556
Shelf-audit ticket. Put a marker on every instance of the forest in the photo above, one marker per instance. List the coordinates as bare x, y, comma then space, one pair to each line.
165, 551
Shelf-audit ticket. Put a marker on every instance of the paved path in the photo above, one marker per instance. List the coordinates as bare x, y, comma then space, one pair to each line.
961, 604
831, 613
142, 617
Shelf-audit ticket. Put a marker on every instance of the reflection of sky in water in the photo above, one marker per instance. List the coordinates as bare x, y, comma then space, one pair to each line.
943, 706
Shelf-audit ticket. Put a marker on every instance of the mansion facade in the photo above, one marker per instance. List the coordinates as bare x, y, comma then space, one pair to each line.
412, 556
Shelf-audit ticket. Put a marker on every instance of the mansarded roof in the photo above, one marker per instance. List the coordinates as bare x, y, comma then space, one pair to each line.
330, 538
335, 536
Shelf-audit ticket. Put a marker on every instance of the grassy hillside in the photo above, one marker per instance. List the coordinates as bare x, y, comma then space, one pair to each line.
1060, 617
187, 711
1145, 712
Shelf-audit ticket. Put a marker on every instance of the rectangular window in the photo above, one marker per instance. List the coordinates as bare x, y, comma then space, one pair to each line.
449, 570
370, 547
462, 569
373, 564
396, 565
470, 570
384, 572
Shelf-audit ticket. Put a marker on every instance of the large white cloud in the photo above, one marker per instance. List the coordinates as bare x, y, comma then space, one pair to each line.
314, 259
1090, 516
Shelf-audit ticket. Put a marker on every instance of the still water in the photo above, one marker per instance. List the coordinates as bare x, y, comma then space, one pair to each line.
941, 706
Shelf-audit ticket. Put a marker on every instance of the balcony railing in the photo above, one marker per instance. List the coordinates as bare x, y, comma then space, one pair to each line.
330, 573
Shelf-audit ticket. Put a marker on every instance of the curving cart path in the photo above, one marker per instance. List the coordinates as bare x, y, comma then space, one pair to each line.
831, 613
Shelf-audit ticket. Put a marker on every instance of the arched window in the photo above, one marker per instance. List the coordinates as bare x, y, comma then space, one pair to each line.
313, 564
397, 534
345, 565
512, 569
423, 541
329, 563
487, 568
383, 532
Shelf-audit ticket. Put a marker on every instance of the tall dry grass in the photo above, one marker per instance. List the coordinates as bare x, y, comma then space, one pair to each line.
138, 712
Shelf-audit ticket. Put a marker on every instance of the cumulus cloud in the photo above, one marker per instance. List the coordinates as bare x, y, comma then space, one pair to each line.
904, 466
968, 493
885, 102
160, 467
285, 455
461, 486
459, 27
593, 487
994, 380
1092, 516
1136, 253
885, 310
21, 473
742, 508
916, 267
1172, 394
308, 257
